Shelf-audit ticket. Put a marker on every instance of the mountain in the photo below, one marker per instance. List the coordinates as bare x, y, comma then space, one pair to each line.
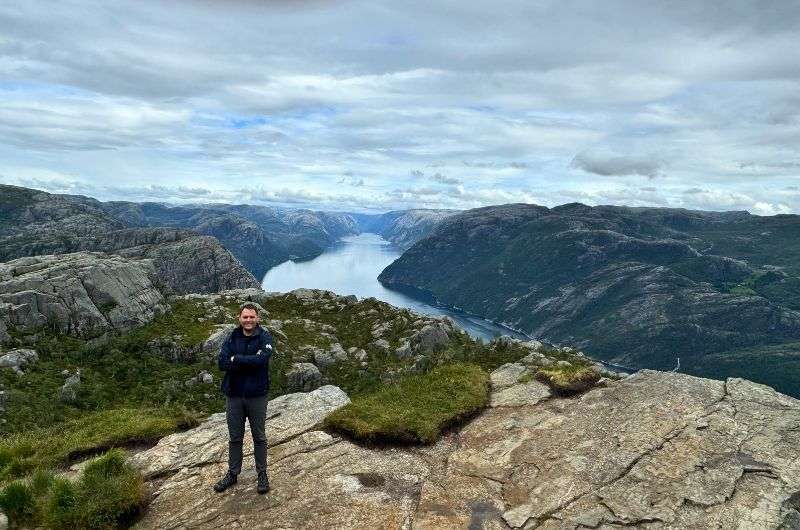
259, 236
35, 223
635, 286
653, 449
402, 227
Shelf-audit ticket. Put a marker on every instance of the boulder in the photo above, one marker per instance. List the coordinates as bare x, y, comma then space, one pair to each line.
349, 299
508, 374
381, 345
69, 392
431, 338
213, 343
303, 377
403, 351
18, 359
325, 358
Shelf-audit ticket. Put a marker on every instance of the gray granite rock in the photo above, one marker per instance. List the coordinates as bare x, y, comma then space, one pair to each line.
655, 450
330, 355
431, 338
83, 294
68, 393
287, 417
303, 377
18, 359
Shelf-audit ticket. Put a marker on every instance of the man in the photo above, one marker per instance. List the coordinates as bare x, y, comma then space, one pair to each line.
244, 357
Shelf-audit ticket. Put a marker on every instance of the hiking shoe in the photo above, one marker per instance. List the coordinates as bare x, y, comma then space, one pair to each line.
226, 482
263, 482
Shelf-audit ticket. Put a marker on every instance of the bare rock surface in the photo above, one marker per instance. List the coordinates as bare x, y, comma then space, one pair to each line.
84, 293
18, 359
287, 416
655, 450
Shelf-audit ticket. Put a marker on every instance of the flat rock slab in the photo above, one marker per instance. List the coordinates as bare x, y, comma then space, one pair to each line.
655, 450
287, 416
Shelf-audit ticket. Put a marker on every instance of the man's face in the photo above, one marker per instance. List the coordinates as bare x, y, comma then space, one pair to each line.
248, 319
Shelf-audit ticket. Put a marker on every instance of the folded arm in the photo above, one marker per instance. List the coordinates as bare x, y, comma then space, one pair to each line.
225, 357
259, 360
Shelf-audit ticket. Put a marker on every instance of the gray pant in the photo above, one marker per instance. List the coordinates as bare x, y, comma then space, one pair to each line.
255, 410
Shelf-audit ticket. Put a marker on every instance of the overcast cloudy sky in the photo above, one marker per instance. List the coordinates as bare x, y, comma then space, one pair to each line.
383, 105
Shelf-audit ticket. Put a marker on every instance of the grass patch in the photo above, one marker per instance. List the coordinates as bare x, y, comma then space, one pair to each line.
109, 494
22, 453
417, 408
187, 318
568, 380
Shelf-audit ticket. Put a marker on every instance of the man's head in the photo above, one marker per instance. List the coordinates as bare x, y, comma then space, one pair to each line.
248, 317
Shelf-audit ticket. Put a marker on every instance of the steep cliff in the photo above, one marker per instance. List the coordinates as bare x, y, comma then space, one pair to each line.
636, 286
35, 223
404, 227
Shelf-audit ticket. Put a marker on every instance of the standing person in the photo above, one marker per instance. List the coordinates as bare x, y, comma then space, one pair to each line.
244, 357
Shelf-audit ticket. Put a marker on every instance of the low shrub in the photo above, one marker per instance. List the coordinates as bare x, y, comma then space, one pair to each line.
568, 380
415, 409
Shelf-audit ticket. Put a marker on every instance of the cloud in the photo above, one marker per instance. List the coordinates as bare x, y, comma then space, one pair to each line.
610, 165
327, 101
444, 179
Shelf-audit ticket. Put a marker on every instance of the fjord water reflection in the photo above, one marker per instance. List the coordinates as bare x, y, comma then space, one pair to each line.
352, 266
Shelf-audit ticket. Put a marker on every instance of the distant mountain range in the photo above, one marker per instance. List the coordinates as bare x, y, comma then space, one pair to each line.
34, 223
402, 227
636, 286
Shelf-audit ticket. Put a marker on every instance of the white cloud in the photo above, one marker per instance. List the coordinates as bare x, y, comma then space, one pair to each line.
346, 101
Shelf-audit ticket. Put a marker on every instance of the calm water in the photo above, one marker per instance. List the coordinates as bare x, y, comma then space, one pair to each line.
352, 267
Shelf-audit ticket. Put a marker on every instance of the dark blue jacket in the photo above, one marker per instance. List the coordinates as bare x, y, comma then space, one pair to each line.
247, 375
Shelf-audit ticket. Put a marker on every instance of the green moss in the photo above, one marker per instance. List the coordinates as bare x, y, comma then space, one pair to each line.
567, 380
415, 409
108, 493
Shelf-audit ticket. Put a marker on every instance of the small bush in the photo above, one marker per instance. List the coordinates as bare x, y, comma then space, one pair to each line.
415, 409
568, 380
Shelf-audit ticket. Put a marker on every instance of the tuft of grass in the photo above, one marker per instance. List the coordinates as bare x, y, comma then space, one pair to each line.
19, 503
568, 380
23, 453
417, 408
108, 494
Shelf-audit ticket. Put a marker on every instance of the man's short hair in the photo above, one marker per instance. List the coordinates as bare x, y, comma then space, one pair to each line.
248, 305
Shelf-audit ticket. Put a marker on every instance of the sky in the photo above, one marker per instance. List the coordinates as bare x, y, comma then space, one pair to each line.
374, 106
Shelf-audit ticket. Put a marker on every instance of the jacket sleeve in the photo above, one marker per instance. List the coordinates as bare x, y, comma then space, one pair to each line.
224, 358
260, 359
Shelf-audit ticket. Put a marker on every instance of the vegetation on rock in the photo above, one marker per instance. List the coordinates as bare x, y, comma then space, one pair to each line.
108, 493
416, 408
568, 379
